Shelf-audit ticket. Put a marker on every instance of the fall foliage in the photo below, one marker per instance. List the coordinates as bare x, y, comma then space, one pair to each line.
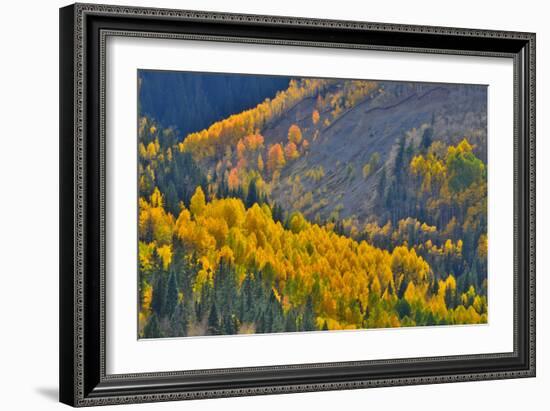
219, 253
347, 280
294, 134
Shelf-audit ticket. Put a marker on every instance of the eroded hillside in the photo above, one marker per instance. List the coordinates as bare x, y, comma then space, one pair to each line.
330, 178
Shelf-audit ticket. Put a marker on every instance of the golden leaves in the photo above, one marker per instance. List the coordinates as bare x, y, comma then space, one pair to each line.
229, 131
291, 151
165, 253
315, 117
348, 276
233, 179
294, 134
198, 202
154, 224
260, 163
275, 158
482, 246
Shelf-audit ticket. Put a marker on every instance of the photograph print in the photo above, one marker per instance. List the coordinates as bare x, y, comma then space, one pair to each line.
272, 204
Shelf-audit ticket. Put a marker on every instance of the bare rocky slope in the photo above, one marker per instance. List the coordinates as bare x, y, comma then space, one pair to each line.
341, 149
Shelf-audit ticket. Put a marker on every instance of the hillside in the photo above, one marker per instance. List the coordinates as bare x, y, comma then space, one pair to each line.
375, 125
336, 204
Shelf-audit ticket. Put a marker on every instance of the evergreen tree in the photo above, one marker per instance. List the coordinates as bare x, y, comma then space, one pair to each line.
246, 312
171, 296
427, 139
473, 274
260, 323
403, 308
268, 321
399, 166
309, 316
159, 291
277, 213
172, 200
222, 190
277, 316
290, 323
213, 321
152, 328
185, 270
203, 306
228, 324
450, 297
252, 196
179, 321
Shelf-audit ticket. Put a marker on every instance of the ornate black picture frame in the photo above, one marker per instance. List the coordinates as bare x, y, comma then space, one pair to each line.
83, 32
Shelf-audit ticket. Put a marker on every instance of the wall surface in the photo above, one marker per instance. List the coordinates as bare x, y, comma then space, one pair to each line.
29, 204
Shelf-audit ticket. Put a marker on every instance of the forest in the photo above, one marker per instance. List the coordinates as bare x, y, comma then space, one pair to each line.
331, 205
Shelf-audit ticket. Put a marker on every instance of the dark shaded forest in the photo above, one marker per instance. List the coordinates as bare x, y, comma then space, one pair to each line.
191, 101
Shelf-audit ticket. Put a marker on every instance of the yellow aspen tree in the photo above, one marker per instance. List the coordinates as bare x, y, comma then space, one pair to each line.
315, 117
294, 134
260, 163
198, 202
275, 158
233, 179
291, 152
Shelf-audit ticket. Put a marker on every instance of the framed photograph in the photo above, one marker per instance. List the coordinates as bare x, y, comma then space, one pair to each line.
260, 205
